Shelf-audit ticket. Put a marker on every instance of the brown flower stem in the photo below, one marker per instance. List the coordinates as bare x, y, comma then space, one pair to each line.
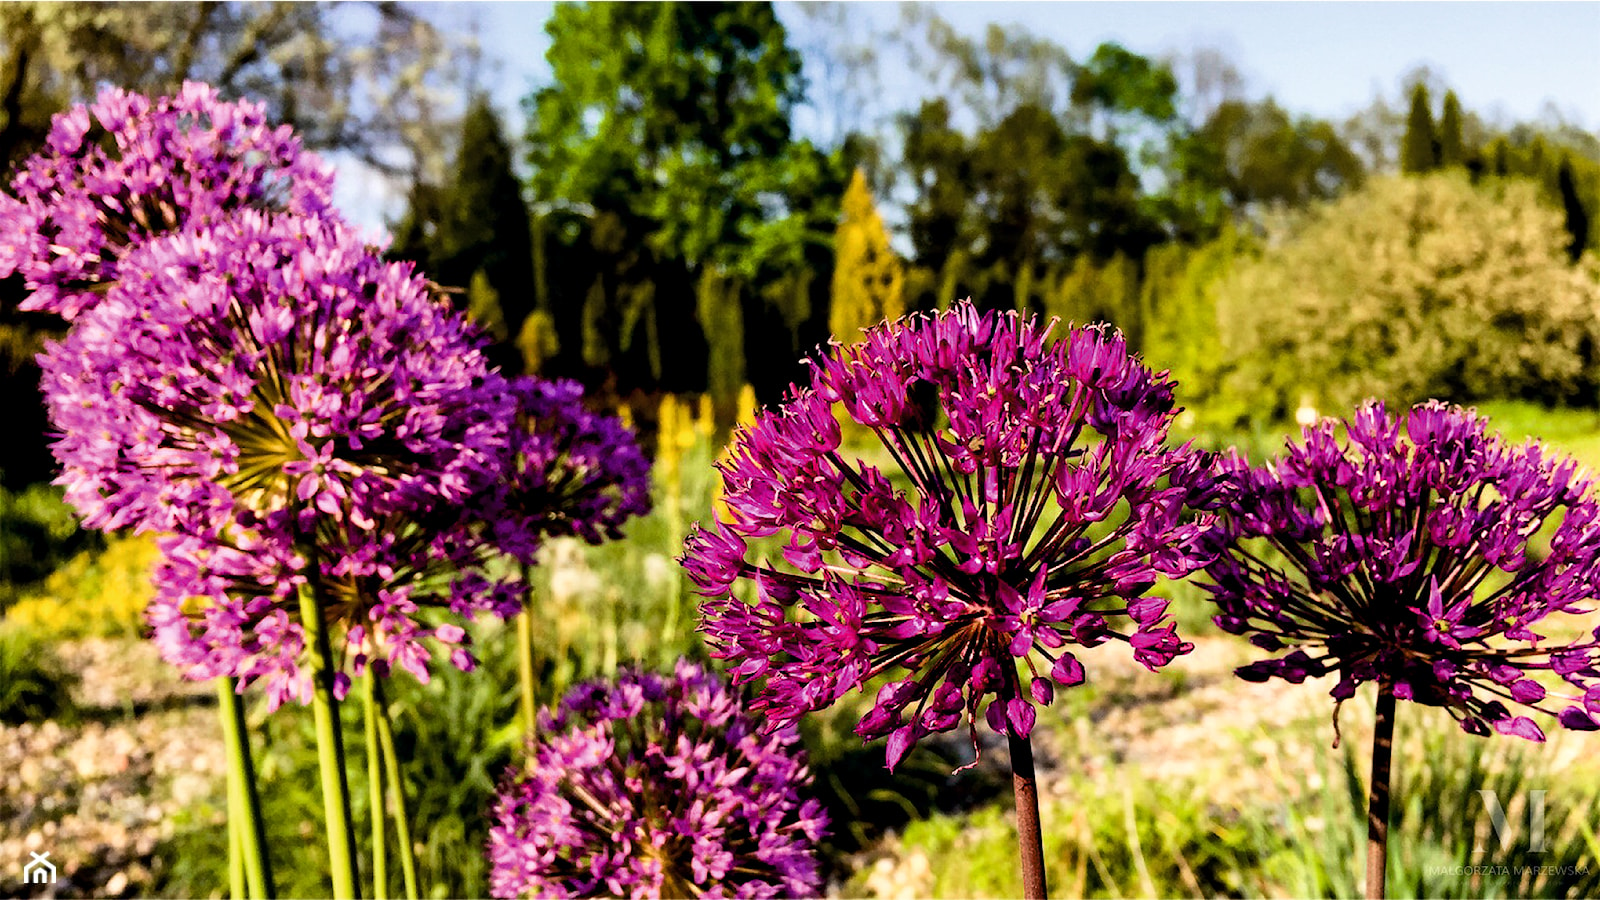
1030, 839
1378, 798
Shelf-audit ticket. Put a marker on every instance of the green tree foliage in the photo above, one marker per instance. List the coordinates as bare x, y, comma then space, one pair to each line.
361, 79
1260, 156
1576, 219
1415, 288
868, 278
661, 151
1030, 160
1420, 150
474, 233
1452, 151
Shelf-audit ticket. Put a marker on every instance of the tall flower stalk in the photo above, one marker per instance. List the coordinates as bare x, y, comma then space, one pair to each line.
1404, 555
1042, 504
576, 473
247, 850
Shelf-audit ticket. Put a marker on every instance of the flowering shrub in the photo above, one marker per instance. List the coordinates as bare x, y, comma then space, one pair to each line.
1408, 558
1040, 503
655, 786
126, 168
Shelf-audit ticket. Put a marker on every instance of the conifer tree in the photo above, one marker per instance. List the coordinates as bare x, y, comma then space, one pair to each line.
1451, 150
1419, 152
484, 221
868, 278
1577, 220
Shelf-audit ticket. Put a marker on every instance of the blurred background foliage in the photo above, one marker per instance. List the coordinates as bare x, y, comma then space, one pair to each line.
657, 226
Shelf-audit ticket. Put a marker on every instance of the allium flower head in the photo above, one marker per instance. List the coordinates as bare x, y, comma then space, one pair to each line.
126, 168
653, 786
1023, 500
578, 472
267, 385
1406, 554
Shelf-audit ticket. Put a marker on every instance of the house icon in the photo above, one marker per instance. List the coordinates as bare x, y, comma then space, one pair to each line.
40, 871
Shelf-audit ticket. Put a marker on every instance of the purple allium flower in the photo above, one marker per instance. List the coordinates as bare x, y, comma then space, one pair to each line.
1406, 554
125, 168
578, 472
653, 786
271, 362
1033, 503
273, 393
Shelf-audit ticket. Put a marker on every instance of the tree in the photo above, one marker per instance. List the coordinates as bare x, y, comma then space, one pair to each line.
476, 228
1415, 288
669, 125
1261, 157
1576, 219
1452, 153
1419, 151
868, 279
364, 78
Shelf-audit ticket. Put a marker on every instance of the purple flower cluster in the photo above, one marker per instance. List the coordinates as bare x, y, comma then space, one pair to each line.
1409, 554
248, 378
267, 387
577, 473
125, 168
1033, 502
654, 786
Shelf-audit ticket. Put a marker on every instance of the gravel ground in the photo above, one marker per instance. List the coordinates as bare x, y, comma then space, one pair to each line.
101, 795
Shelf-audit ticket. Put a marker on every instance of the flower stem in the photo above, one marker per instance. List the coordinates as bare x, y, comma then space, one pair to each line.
391, 765
1378, 798
248, 832
525, 655
236, 888
380, 851
330, 748
1030, 840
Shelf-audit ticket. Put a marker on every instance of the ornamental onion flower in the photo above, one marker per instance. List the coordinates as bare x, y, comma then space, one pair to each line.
577, 472
126, 168
289, 406
1033, 504
653, 786
1405, 555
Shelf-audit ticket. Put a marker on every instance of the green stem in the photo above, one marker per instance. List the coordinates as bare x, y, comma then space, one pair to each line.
380, 851
330, 748
236, 882
391, 764
244, 801
530, 706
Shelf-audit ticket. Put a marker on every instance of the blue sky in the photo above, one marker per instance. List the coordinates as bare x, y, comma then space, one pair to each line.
1506, 60
1328, 59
